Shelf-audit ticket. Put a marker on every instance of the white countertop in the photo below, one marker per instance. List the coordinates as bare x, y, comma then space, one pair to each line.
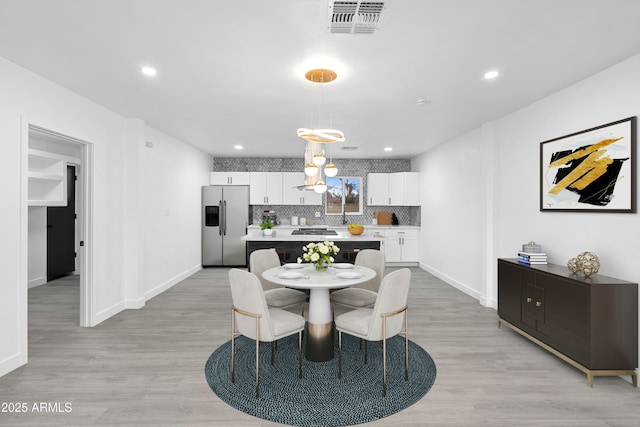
283, 233
333, 227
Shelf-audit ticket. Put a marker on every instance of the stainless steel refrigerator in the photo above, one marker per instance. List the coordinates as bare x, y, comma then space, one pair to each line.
225, 216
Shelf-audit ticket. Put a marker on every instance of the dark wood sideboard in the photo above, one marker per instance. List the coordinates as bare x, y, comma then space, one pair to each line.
589, 322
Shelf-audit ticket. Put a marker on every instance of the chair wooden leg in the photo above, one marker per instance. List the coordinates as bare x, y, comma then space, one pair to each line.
339, 354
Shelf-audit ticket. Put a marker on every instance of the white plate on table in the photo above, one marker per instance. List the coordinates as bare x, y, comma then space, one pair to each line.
349, 275
293, 266
291, 275
343, 265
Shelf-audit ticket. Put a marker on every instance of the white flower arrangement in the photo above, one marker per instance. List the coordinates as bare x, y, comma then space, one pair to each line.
319, 253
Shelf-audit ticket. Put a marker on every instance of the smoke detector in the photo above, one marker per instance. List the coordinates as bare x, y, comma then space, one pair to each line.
355, 17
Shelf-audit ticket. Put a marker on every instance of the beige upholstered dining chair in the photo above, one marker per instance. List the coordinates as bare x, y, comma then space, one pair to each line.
251, 317
364, 294
386, 319
277, 296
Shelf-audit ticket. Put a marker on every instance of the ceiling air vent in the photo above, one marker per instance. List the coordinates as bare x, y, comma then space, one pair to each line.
349, 148
355, 17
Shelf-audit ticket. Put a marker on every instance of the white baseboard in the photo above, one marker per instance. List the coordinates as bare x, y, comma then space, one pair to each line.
170, 283
491, 303
11, 363
38, 281
108, 313
134, 303
451, 281
140, 302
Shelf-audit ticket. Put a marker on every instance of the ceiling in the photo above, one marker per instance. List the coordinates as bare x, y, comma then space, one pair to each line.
232, 72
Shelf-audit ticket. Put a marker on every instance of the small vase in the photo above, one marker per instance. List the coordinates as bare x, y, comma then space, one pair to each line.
267, 231
322, 266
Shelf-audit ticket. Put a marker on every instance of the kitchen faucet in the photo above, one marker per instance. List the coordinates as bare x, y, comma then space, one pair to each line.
344, 213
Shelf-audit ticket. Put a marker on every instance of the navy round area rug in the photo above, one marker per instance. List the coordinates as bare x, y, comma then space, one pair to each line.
319, 398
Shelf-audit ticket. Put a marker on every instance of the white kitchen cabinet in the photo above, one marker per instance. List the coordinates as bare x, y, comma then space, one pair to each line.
47, 175
400, 245
265, 188
230, 178
393, 189
409, 183
378, 189
291, 195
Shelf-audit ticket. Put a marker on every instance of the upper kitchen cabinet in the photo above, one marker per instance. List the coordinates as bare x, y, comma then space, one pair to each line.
393, 189
265, 188
230, 178
378, 189
291, 195
47, 174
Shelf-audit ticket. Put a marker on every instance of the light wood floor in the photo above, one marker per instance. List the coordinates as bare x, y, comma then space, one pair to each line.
146, 367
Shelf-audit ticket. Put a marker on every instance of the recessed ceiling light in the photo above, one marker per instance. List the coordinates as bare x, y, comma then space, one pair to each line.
148, 71
388, 149
491, 74
238, 147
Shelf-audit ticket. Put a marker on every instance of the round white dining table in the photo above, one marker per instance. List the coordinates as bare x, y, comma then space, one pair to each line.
319, 347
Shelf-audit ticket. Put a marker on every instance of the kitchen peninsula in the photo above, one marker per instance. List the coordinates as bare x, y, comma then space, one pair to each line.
288, 240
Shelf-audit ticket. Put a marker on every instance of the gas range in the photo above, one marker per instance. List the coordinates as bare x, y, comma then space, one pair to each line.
314, 232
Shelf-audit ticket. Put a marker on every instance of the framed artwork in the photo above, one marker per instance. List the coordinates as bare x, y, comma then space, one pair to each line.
590, 171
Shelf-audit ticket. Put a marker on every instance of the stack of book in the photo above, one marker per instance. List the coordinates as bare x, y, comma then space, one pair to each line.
532, 258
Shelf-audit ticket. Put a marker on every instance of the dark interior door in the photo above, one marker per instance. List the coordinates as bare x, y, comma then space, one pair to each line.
61, 254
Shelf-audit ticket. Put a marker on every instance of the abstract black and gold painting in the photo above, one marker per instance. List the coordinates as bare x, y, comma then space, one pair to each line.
592, 170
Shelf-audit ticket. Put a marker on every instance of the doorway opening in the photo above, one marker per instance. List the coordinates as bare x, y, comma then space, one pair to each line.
59, 215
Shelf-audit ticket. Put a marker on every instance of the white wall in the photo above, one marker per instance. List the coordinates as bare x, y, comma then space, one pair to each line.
505, 200
609, 96
172, 206
116, 143
453, 212
37, 251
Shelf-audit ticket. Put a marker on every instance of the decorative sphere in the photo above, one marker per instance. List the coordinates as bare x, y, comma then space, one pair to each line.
571, 264
588, 263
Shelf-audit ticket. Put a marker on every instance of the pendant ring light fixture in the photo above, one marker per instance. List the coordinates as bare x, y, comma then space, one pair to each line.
314, 159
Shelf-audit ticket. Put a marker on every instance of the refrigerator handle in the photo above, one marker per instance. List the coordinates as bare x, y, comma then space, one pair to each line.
221, 217
225, 217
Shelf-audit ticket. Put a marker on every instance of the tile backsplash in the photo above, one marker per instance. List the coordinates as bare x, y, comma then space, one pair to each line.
407, 215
